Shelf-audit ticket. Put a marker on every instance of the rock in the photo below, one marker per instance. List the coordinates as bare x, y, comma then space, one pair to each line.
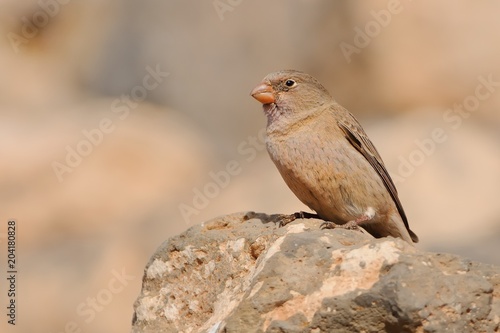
241, 273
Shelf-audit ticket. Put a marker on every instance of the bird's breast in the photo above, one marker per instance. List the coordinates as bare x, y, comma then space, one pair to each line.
325, 172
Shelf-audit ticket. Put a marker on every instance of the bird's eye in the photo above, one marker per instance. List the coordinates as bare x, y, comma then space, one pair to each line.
290, 83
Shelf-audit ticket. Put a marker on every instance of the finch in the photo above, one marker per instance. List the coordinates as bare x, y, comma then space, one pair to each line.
326, 158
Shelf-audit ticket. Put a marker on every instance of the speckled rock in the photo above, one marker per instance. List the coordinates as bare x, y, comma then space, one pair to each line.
241, 273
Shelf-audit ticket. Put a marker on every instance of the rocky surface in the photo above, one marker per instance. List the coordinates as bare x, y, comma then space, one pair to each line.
241, 273
109, 214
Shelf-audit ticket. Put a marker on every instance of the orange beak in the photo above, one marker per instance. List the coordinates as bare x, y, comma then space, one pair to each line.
264, 93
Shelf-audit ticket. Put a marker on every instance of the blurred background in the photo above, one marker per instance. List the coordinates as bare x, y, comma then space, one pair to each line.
118, 120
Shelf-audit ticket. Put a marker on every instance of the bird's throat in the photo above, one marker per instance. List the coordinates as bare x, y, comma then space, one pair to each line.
272, 112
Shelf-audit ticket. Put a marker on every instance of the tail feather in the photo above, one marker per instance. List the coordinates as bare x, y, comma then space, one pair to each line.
413, 236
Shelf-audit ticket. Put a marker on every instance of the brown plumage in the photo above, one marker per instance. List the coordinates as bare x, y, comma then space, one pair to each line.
326, 158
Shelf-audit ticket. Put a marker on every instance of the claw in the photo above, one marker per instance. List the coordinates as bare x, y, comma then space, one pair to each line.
283, 220
351, 225
286, 219
328, 225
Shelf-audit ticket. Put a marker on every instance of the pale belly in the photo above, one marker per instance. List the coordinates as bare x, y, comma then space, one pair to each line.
332, 178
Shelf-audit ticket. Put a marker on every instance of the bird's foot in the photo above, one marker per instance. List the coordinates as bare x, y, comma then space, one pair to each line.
351, 225
284, 219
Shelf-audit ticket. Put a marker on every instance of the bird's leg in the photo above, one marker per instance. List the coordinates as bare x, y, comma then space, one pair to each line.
285, 219
351, 225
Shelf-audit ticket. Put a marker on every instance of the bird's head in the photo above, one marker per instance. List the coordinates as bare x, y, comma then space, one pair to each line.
290, 95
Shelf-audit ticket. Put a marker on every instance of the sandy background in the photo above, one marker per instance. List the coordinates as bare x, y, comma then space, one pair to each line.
74, 70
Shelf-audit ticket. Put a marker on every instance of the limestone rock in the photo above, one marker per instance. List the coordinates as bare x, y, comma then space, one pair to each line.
241, 273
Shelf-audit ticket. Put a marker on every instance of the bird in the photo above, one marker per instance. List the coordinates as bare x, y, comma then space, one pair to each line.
326, 158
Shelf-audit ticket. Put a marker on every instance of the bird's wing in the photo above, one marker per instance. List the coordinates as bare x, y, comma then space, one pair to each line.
358, 138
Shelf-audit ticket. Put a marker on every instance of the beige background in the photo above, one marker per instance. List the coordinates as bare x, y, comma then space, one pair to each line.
108, 215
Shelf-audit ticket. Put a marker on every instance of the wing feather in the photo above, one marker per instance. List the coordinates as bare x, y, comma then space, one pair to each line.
355, 134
